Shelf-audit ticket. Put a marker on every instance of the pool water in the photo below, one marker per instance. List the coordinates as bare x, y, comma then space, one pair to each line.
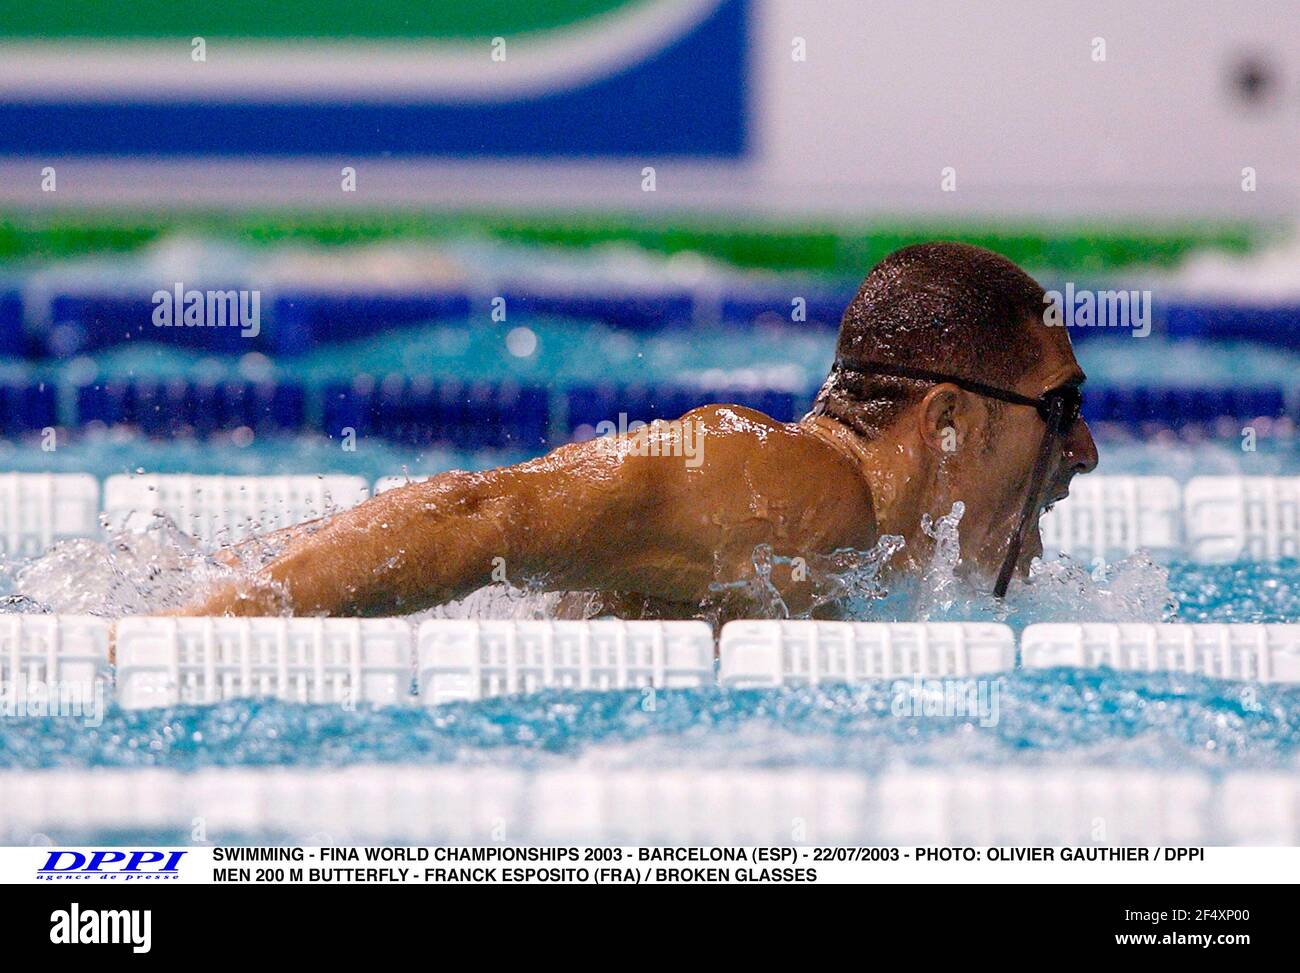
1057, 716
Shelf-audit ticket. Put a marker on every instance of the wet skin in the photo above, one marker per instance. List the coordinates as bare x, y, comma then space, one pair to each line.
651, 535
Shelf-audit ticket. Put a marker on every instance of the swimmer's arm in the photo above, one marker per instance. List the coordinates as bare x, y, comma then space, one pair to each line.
574, 519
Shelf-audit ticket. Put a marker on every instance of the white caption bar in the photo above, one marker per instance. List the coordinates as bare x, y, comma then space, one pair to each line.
646, 865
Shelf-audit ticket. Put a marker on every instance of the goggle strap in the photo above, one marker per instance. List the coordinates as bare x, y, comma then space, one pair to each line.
923, 375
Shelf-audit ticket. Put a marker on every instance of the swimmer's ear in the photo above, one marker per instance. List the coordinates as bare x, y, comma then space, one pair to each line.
946, 419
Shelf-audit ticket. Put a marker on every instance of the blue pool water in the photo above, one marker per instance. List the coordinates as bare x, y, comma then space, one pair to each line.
1154, 721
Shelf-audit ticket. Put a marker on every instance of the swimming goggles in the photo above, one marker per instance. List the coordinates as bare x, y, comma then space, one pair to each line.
1060, 408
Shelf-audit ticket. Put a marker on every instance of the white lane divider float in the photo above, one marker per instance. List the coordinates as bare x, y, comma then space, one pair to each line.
172, 661
221, 509
438, 804
758, 654
38, 509
1233, 518
473, 659
1047, 806
57, 656
1262, 653
1112, 516
1211, 519
1261, 809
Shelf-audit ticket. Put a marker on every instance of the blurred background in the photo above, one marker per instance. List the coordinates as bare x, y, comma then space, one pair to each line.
473, 231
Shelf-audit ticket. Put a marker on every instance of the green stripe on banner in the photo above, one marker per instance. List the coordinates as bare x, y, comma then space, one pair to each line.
823, 248
96, 19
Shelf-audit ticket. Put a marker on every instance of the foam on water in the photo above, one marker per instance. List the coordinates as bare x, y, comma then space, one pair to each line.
1250, 592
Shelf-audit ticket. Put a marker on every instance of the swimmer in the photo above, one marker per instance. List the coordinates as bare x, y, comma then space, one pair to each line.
947, 385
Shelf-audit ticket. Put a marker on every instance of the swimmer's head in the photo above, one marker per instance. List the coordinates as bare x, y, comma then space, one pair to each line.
965, 312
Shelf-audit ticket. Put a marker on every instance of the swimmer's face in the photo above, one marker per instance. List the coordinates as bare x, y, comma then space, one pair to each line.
992, 466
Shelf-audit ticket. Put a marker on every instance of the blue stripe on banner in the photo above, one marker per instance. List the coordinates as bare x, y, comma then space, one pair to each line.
689, 99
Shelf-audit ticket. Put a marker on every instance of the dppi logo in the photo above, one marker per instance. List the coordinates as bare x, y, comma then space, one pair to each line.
135, 866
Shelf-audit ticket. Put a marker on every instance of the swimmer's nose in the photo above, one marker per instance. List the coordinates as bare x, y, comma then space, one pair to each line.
1080, 449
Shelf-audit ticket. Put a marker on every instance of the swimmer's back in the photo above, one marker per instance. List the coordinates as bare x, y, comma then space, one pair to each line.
754, 481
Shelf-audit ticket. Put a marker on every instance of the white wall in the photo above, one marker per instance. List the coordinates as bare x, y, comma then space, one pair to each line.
1008, 94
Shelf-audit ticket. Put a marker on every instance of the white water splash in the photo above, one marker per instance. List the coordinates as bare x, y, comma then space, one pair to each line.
855, 586
500, 601
127, 573
161, 568
844, 583
1134, 589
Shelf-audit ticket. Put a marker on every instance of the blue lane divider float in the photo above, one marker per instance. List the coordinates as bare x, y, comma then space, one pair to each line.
590, 405
287, 323
27, 407
1178, 407
91, 322
295, 321
1277, 324
634, 310
485, 414
789, 305
173, 407
13, 340
302, 317
421, 411
305, 319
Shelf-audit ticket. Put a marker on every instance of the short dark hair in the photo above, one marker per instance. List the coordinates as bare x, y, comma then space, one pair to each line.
946, 307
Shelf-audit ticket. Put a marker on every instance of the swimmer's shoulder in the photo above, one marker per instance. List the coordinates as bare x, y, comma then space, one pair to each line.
790, 455
735, 422
734, 426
